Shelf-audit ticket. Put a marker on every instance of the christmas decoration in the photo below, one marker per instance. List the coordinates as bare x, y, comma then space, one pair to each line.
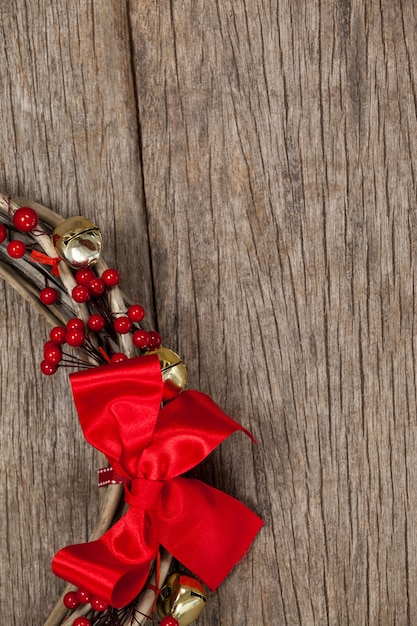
129, 391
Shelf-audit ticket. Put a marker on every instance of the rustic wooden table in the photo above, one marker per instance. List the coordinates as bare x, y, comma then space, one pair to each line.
252, 167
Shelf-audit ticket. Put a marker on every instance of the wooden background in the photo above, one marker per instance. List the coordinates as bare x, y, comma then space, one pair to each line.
252, 165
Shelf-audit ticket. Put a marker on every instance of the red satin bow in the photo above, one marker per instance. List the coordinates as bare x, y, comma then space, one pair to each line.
205, 529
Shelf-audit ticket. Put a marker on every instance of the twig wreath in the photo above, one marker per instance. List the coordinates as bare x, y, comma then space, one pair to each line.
129, 393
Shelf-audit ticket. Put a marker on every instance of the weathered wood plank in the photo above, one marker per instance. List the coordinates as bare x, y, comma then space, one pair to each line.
69, 138
278, 152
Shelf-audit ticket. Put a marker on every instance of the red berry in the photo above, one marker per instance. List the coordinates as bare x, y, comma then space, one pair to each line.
80, 293
75, 338
81, 621
98, 605
83, 276
122, 325
48, 368
3, 233
110, 277
155, 340
16, 249
168, 621
57, 334
75, 323
96, 322
117, 357
96, 286
141, 339
25, 219
52, 352
136, 313
48, 295
70, 600
83, 596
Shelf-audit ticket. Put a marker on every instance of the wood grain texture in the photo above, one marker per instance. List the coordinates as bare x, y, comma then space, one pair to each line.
252, 166
70, 141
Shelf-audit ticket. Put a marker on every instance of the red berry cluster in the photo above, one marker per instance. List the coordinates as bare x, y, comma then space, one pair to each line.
73, 335
73, 599
76, 334
142, 339
24, 220
91, 287
91, 290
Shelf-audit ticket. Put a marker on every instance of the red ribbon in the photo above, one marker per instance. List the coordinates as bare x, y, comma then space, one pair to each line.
44, 259
205, 529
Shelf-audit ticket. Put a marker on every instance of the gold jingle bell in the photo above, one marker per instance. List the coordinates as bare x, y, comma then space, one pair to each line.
182, 597
77, 241
174, 374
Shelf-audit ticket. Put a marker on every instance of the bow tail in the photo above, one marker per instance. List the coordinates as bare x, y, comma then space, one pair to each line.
115, 567
207, 530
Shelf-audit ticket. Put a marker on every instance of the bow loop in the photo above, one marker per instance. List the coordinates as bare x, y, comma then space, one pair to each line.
118, 408
144, 493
